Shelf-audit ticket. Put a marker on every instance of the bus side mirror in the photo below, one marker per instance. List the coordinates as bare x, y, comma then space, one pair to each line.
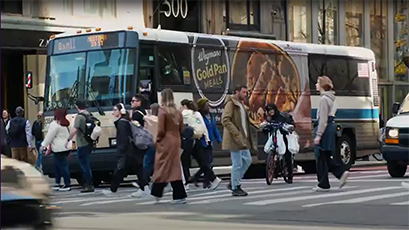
395, 108
29, 80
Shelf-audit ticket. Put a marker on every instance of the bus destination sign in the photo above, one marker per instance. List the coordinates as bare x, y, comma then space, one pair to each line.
88, 42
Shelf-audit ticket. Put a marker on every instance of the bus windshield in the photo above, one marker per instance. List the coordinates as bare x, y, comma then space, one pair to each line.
102, 77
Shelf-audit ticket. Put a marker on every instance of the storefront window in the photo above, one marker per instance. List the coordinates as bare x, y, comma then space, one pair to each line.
378, 14
327, 21
298, 19
400, 39
400, 92
354, 30
243, 15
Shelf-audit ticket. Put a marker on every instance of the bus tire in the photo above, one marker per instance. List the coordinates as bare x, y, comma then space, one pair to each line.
396, 170
344, 153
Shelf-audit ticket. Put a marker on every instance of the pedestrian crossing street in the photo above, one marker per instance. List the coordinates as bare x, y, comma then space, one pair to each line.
361, 189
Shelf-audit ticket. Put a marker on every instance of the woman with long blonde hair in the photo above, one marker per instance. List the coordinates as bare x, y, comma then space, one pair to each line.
167, 167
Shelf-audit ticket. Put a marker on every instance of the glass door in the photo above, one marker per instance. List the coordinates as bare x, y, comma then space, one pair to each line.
385, 96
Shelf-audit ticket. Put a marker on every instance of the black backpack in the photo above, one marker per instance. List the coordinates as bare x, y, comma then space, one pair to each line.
90, 123
16, 127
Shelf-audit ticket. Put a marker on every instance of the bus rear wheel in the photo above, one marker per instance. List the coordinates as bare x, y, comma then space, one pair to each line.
345, 154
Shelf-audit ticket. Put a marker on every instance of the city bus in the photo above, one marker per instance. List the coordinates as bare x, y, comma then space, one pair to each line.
106, 67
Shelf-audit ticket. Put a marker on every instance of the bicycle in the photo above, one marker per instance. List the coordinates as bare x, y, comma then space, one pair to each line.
276, 164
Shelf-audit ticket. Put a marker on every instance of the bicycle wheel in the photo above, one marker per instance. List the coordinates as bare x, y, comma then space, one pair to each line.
285, 170
271, 166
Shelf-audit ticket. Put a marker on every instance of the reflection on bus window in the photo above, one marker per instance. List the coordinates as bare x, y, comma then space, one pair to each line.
343, 72
172, 61
65, 71
109, 76
105, 79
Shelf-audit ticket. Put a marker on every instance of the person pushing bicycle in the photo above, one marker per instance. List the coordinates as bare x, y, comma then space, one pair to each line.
273, 115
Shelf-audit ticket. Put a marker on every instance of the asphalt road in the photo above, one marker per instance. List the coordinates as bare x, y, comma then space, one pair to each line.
370, 200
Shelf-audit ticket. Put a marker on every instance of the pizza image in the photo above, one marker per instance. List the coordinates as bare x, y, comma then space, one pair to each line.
270, 76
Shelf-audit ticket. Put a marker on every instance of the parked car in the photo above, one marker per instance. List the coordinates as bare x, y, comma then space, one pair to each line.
395, 143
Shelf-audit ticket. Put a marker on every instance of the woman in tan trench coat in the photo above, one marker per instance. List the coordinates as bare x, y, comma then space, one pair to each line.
167, 168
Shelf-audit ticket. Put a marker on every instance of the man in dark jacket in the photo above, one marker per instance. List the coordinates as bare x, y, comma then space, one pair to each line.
5, 148
138, 111
37, 132
19, 132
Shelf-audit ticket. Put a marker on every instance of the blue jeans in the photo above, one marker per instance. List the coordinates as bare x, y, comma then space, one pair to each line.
39, 161
241, 161
61, 168
148, 161
83, 154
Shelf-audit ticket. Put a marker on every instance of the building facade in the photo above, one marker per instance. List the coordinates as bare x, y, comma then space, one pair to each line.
380, 25
26, 26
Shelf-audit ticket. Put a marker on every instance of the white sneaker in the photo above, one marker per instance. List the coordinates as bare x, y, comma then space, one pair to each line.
343, 179
318, 189
65, 189
187, 187
142, 193
107, 192
405, 185
180, 201
216, 183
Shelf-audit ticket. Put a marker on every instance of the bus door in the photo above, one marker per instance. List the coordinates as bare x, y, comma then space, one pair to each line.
146, 82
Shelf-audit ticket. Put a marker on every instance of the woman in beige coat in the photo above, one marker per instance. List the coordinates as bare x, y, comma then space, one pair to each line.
167, 168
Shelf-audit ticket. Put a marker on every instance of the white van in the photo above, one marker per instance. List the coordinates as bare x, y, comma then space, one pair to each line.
395, 141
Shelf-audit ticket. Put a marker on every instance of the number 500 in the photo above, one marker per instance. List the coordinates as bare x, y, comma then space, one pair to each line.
176, 7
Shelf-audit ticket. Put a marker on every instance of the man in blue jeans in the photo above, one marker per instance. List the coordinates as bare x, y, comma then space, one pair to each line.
37, 132
84, 146
237, 137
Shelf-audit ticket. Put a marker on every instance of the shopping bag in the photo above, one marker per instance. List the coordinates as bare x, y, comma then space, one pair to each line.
293, 145
281, 148
269, 146
32, 156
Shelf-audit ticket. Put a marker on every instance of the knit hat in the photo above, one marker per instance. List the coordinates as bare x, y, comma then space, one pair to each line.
201, 102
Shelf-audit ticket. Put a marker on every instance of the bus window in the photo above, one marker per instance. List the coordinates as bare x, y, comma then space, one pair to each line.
109, 76
172, 61
316, 68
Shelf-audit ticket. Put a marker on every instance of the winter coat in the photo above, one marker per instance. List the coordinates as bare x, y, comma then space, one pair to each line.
167, 159
234, 136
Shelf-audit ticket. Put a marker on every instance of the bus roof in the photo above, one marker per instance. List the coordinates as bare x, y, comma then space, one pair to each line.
161, 35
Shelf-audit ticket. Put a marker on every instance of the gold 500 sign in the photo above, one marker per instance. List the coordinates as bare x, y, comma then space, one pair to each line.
175, 7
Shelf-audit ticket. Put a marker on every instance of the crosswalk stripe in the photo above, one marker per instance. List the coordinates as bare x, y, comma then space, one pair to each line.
81, 200
260, 196
232, 198
224, 191
369, 176
401, 203
359, 199
292, 199
221, 196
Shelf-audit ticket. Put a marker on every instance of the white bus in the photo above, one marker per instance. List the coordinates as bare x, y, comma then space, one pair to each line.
108, 67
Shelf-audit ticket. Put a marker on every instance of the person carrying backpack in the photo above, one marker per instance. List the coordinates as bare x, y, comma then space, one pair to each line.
192, 118
128, 157
84, 144
19, 132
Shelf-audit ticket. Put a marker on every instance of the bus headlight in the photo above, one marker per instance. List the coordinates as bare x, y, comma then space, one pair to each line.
393, 133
